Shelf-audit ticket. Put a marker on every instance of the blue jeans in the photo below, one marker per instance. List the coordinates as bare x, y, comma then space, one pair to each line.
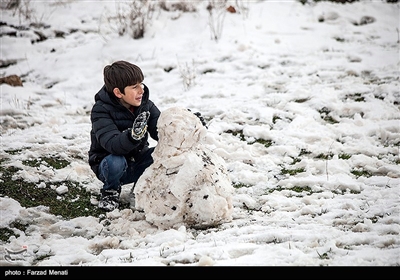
115, 171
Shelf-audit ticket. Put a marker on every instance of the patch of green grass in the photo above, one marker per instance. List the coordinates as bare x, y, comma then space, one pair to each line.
374, 219
72, 204
295, 160
325, 256
266, 143
238, 185
339, 39
304, 152
330, 119
238, 133
50, 161
278, 189
6, 233
324, 156
326, 115
357, 97
301, 100
379, 96
345, 191
292, 172
14, 152
359, 172
297, 189
344, 156
19, 225
354, 192
275, 118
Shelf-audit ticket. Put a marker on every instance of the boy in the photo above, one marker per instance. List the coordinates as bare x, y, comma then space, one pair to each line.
122, 118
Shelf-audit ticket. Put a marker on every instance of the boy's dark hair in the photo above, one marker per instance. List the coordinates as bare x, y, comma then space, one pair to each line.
121, 74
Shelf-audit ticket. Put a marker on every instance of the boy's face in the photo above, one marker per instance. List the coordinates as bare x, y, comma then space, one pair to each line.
132, 95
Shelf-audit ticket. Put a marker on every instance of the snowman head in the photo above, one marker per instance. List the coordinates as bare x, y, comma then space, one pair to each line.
179, 128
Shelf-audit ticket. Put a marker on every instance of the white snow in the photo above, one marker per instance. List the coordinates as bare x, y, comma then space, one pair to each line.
286, 87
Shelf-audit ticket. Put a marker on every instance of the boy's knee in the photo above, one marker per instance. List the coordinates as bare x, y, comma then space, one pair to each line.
116, 163
120, 162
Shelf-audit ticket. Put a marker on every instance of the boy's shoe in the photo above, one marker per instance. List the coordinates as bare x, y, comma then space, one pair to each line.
109, 200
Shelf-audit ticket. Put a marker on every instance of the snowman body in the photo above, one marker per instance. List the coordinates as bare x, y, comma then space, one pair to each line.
187, 184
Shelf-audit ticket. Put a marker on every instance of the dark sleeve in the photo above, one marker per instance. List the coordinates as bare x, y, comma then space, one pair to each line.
152, 122
108, 135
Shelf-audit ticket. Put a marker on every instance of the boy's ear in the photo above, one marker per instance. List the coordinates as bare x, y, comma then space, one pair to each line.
117, 93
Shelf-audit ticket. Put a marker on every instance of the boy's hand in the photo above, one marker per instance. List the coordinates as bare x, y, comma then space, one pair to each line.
139, 128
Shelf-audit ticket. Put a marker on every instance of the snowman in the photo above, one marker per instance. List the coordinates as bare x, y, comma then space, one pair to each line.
187, 184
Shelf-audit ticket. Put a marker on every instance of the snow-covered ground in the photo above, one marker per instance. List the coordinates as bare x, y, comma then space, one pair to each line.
284, 86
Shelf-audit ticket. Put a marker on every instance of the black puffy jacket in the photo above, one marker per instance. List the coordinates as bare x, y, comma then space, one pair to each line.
111, 124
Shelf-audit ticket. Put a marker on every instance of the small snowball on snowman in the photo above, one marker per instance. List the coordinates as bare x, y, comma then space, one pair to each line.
187, 184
